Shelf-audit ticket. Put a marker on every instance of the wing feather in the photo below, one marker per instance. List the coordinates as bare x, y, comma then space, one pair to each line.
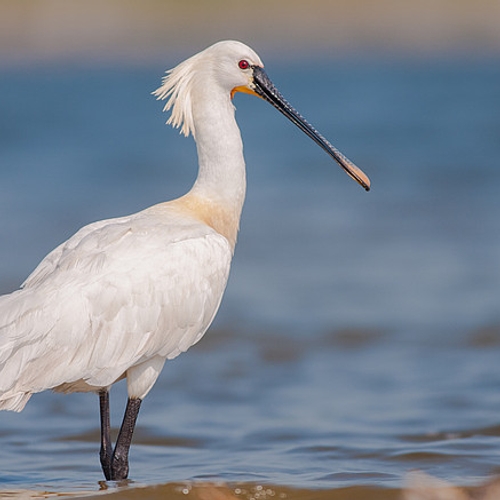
117, 294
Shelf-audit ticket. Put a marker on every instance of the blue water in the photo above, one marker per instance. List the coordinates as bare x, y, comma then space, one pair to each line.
359, 336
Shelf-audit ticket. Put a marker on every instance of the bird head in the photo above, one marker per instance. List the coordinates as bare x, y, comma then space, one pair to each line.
235, 67
229, 64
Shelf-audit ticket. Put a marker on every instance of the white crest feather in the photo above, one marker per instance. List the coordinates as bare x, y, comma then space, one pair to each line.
176, 87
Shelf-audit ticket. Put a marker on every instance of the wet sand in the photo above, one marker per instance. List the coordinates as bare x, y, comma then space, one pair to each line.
419, 487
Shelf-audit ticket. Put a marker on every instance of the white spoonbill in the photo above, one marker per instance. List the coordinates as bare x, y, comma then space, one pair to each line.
123, 295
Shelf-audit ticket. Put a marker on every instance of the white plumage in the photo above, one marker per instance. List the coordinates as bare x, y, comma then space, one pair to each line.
123, 295
119, 297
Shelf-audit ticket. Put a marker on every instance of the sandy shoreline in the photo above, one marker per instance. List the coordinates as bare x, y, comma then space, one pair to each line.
133, 30
419, 486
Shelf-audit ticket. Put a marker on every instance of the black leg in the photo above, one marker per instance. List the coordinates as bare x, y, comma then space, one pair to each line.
106, 448
119, 461
115, 463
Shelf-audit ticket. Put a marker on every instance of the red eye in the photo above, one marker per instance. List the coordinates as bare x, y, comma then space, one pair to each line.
244, 64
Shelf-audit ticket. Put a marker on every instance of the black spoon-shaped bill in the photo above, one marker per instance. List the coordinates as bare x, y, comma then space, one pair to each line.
265, 88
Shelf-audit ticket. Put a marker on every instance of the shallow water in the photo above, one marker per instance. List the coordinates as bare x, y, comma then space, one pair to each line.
360, 333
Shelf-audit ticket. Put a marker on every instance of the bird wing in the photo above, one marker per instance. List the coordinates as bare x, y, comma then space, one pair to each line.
118, 293
51, 260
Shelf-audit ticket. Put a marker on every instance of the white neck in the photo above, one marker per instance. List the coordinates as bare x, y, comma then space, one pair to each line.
217, 197
221, 175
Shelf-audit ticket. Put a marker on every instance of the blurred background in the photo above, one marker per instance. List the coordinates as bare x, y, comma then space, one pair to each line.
132, 31
360, 332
